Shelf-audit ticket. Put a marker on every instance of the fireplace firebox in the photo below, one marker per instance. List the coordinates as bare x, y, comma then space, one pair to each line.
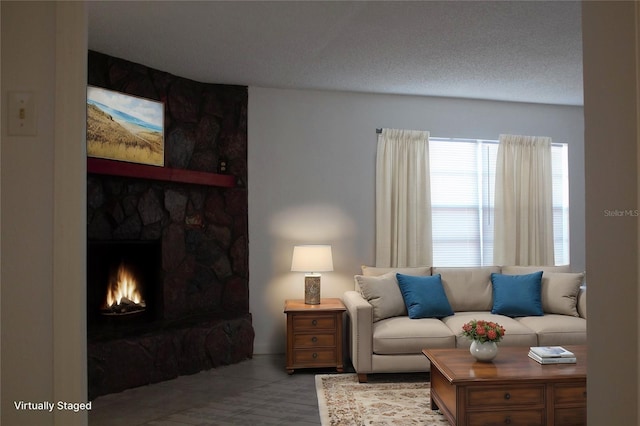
124, 284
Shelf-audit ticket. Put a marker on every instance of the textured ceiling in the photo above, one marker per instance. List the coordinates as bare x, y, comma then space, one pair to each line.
507, 50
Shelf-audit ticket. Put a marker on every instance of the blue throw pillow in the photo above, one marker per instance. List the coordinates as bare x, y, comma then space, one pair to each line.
424, 296
517, 295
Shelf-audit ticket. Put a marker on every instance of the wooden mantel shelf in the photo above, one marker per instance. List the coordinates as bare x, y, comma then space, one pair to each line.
118, 168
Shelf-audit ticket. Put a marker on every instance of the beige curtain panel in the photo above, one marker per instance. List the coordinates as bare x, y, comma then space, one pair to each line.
523, 233
403, 199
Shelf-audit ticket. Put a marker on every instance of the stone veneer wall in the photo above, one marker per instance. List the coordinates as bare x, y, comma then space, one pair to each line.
203, 232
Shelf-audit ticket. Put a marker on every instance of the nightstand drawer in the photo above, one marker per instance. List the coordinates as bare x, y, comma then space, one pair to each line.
314, 322
504, 396
314, 356
313, 340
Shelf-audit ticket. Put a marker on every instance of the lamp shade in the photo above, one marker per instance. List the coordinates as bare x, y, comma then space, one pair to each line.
312, 258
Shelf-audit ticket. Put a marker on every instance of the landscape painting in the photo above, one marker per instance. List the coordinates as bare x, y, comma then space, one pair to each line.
123, 127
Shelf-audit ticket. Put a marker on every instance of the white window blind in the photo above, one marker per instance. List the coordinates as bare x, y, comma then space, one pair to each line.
462, 185
560, 188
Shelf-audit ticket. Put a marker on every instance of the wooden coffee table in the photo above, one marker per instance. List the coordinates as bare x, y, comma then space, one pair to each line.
512, 389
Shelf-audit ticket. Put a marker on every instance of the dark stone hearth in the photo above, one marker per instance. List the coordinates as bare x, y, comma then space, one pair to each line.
125, 363
203, 318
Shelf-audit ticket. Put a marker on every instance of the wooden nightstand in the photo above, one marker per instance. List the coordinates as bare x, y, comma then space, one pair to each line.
314, 334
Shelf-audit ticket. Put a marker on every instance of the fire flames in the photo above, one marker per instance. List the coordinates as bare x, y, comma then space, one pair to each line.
123, 294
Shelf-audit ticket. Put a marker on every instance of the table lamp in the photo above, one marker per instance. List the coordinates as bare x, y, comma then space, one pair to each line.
312, 259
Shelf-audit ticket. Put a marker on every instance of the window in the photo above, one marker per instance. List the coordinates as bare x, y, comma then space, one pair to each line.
462, 185
560, 182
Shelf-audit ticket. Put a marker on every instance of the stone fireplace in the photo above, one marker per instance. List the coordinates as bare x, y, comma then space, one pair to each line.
185, 243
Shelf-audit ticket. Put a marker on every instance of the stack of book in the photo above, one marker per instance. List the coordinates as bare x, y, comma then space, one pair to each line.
551, 355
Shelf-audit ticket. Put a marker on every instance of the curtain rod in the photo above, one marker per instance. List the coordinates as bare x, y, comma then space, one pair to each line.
379, 131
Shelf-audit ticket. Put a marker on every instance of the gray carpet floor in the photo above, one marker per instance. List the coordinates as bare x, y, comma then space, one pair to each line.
254, 392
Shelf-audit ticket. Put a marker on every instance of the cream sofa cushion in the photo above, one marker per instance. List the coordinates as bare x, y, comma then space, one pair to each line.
468, 289
373, 271
557, 330
516, 333
383, 294
402, 335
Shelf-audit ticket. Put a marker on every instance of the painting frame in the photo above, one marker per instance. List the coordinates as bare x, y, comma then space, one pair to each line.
125, 127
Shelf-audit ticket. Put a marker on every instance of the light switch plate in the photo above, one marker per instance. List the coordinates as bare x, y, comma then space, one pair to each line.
22, 114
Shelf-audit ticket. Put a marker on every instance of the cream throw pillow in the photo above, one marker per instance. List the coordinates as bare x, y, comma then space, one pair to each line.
560, 292
383, 294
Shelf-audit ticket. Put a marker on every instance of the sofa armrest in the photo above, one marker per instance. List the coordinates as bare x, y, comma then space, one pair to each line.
360, 328
582, 302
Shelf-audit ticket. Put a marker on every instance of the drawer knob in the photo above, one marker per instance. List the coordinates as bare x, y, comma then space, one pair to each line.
507, 421
314, 356
314, 322
314, 339
507, 396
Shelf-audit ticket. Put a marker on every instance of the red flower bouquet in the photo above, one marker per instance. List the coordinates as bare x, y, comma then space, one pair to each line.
483, 331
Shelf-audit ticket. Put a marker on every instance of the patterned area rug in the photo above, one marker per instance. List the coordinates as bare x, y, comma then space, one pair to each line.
389, 400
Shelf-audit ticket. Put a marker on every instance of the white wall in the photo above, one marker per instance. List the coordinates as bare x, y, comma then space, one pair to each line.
43, 192
311, 179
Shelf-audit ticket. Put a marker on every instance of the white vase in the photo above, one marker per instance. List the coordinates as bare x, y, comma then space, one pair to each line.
483, 351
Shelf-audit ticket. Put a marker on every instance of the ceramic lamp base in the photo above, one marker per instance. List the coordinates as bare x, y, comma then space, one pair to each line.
312, 289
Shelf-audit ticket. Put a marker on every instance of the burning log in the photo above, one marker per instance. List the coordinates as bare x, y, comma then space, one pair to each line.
125, 306
123, 296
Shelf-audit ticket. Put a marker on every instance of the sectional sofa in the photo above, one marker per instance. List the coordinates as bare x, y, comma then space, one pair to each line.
538, 306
